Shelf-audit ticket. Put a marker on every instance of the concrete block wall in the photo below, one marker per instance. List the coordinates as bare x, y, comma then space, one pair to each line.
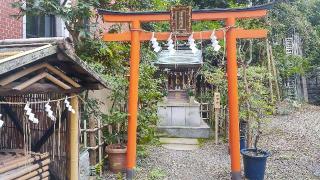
10, 28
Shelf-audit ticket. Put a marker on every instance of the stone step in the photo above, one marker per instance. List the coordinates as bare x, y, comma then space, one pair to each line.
185, 141
203, 131
180, 147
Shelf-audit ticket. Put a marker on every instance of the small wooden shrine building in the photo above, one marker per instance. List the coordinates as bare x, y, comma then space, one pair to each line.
41, 71
179, 114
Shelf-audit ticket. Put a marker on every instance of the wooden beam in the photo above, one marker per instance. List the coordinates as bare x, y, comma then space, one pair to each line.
57, 81
6, 168
163, 36
37, 146
196, 16
29, 70
27, 57
10, 53
39, 77
38, 88
30, 81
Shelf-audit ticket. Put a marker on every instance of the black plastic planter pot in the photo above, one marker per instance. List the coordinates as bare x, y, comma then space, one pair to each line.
254, 165
242, 143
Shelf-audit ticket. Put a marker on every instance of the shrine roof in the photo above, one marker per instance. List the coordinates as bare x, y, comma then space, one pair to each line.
253, 8
22, 59
181, 58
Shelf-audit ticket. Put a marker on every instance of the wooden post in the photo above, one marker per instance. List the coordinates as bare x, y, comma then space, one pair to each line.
74, 139
85, 134
100, 146
133, 99
216, 113
92, 142
305, 88
232, 72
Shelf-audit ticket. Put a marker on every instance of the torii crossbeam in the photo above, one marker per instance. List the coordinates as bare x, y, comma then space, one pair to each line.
137, 35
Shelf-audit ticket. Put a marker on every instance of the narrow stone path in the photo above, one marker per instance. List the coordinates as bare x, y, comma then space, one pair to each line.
179, 144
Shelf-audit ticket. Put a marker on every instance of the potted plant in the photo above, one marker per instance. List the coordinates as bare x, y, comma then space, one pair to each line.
254, 159
255, 106
116, 138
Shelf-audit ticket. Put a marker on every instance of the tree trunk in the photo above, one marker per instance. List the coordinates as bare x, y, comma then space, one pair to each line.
274, 74
249, 134
270, 71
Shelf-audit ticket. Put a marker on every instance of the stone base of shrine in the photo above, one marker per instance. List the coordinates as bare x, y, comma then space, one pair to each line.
203, 131
182, 119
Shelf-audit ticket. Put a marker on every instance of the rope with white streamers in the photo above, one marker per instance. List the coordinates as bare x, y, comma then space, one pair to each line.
155, 44
49, 111
170, 45
1, 122
67, 103
31, 116
215, 42
192, 45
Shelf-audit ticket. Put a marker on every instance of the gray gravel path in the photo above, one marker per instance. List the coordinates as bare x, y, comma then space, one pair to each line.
294, 143
293, 140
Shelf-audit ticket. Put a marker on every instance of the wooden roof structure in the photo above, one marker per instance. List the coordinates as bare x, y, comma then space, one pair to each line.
44, 65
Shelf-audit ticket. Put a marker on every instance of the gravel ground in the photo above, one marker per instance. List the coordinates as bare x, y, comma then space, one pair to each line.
293, 141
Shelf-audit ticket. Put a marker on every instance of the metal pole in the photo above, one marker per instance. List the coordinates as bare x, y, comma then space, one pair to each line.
133, 99
232, 69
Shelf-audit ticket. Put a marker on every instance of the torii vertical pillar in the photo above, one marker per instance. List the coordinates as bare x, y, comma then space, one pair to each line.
133, 98
232, 71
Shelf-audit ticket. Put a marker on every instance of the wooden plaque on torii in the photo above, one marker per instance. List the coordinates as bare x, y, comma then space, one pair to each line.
180, 20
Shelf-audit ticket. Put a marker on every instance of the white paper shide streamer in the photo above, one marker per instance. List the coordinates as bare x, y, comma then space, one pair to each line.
170, 45
49, 111
192, 44
155, 44
67, 103
30, 115
1, 122
215, 42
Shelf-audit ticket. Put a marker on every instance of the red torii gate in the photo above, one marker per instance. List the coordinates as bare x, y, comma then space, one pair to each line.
137, 35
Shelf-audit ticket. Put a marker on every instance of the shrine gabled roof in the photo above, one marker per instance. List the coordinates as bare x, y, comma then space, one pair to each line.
39, 55
253, 8
181, 58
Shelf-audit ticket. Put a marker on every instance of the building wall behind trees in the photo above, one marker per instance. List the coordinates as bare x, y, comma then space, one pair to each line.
10, 27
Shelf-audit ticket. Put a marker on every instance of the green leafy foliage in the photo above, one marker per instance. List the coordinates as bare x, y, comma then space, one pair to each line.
215, 76
112, 56
297, 16
256, 94
150, 93
74, 15
156, 174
